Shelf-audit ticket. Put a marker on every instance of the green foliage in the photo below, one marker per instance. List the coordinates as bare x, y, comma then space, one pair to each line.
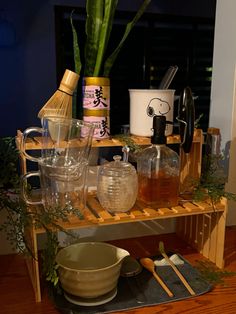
212, 274
8, 161
48, 257
77, 60
197, 121
111, 59
212, 181
128, 141
109, 7
18, 218
99, 22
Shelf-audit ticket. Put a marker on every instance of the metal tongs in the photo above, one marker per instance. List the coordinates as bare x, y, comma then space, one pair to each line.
186, 117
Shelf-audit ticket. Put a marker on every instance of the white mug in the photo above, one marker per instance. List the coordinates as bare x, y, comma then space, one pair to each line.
144, 104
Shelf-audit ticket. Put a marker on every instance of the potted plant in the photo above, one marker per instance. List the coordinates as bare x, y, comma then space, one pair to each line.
97, 66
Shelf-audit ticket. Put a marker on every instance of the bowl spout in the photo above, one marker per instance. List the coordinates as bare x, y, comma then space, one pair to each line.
121, 254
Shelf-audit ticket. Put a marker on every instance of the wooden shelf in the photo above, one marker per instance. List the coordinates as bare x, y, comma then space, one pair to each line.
35, 143
199, 224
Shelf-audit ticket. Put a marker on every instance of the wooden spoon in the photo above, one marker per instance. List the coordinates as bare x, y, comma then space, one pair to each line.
149, 265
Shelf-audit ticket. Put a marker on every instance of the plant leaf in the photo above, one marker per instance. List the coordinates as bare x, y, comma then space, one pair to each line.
94, 20
77, 60
111, 59
106, 27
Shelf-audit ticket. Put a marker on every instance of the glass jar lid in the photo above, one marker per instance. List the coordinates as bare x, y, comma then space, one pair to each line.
117, 168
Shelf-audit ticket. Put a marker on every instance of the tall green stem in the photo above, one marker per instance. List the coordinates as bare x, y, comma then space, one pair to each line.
94, 21
110, 7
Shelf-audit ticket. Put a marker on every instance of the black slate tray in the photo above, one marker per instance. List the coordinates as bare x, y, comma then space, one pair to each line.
153, 292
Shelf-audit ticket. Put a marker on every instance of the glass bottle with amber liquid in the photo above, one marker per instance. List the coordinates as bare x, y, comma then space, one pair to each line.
158, 170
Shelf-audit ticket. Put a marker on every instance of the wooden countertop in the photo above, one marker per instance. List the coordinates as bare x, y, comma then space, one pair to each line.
17, 297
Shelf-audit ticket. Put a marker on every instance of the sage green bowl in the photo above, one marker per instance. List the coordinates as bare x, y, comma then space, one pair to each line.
90, 269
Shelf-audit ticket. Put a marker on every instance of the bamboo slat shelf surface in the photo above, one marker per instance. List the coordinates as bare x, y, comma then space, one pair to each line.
95, 215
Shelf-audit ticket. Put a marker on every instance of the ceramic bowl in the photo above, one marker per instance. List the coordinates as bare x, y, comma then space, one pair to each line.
89, 269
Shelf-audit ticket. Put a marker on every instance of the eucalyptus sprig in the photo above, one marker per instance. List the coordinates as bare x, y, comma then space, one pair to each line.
197, 121
212, 274
212, 181
48, 255
9, 177
128, 141
17, 218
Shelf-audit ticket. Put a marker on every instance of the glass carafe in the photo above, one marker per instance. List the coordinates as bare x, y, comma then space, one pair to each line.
158, 170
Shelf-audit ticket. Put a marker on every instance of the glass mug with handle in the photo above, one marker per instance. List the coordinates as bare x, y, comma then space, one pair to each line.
64, 141
65, 150
62, 187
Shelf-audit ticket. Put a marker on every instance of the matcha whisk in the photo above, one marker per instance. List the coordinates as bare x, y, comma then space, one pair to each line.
60, 104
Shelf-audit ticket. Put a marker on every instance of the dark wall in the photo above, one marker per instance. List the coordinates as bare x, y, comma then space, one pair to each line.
27, 53
27, 63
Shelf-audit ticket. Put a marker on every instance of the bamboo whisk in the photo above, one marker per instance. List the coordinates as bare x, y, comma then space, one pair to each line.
60, 104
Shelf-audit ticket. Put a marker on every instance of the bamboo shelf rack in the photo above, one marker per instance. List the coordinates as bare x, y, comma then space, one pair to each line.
198, 223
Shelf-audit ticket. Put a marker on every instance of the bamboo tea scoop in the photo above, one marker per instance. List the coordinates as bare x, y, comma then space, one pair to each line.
178, 273
149, 265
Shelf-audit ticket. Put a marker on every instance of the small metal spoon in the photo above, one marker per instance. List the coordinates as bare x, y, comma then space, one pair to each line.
131, 268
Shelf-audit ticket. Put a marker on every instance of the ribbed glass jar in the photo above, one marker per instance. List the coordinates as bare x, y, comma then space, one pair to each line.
117, 185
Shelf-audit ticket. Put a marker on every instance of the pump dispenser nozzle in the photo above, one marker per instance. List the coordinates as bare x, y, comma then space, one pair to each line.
159, 126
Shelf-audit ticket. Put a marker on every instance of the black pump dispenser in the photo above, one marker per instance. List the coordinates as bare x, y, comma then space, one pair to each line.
158, 170
159, 126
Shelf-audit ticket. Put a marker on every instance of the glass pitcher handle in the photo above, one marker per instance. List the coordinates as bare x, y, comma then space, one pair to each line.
24, 138
23, 187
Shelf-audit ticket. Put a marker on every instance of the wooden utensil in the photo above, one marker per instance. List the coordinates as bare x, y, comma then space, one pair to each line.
60, 104
149, 265
178, 273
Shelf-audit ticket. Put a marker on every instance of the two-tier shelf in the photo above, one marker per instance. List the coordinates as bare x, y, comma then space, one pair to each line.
198, 223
